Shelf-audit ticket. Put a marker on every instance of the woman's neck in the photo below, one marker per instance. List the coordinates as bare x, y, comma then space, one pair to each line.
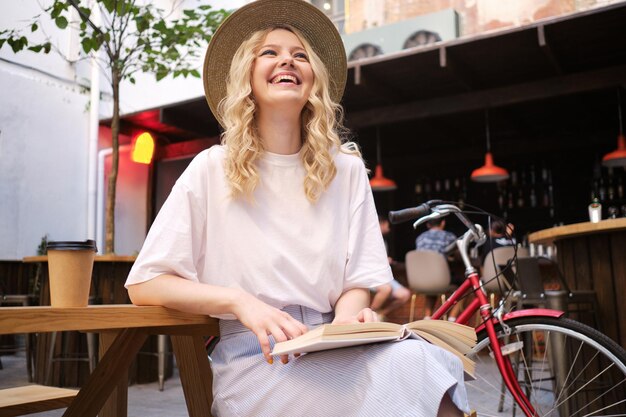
280, 132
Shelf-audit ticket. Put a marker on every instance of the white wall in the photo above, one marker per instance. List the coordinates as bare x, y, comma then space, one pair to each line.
44, 130
43, 151
43, 161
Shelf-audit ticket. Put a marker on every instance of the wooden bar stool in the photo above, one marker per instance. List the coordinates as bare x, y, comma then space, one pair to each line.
21, 300
66, 356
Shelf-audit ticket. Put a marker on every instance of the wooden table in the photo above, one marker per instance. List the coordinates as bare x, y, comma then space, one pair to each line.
593, 256
123, 330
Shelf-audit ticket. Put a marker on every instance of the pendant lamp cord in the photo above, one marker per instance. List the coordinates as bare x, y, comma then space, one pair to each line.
487, 130
619, 110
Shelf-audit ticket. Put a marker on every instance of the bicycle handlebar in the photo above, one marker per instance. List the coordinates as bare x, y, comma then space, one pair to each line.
404, 215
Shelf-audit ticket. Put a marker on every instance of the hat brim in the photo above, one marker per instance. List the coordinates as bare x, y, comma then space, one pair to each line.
314, 25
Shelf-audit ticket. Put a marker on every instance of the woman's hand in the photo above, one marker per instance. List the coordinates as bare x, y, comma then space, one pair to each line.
352, 307
366, 315
264, 320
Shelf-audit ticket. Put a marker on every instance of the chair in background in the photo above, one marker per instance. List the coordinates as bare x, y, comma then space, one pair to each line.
492, 267
532, 291
19, 285
20, 300
65, 355
427, 273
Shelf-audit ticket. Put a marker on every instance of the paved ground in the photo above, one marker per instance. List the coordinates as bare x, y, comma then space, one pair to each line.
143, 400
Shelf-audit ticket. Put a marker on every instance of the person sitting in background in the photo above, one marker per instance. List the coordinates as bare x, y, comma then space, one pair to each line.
437, 239
388, 297
500, 234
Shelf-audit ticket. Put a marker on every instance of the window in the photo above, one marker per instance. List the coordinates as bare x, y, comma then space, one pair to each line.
334, 9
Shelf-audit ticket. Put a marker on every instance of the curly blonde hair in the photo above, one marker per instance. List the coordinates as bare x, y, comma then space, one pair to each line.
321, 120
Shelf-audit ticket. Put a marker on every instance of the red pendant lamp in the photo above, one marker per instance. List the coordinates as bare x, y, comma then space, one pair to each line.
617, 158
378, 181
489, 172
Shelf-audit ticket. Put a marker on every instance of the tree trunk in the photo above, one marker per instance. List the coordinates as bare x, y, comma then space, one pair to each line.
109, 243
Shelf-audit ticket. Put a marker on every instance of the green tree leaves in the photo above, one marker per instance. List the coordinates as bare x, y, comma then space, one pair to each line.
61, 22
135, 37
132, 36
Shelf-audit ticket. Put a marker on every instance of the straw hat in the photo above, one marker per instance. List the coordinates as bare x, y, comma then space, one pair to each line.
314, 25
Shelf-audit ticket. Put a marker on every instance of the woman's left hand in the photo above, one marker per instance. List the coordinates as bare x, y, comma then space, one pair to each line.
366, 315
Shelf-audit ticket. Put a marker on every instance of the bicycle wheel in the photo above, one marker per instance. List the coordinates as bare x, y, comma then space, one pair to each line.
566, 369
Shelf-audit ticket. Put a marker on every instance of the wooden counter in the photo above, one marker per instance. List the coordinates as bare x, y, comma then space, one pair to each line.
549, 236
593, 256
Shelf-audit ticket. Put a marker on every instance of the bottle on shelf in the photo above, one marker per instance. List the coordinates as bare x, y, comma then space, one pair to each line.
602, 191
501, 199
545, 199
595, 211
533, 198
551, 200
610, 189
463, 193
418, 190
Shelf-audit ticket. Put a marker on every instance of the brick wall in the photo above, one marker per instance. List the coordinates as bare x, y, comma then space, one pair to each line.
476, 16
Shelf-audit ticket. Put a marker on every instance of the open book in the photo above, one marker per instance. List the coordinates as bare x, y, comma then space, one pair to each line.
456, 338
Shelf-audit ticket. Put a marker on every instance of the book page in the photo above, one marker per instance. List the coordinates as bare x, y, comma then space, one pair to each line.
468, 365
461, 337
335, 342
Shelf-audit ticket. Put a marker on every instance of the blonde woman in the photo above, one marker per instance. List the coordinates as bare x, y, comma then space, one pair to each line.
275, 231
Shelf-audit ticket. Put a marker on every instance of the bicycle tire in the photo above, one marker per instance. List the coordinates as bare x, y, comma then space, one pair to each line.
566, 368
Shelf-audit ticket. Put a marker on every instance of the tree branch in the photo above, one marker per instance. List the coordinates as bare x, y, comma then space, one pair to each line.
124, 25
96, 29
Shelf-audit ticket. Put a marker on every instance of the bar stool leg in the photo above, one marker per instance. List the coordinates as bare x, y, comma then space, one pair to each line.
53, 340
161, 348
29, 358
91, 351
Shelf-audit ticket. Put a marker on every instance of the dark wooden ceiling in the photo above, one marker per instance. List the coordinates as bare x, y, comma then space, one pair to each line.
546, 86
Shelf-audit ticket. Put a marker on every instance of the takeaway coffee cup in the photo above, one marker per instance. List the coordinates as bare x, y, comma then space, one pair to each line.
69, 267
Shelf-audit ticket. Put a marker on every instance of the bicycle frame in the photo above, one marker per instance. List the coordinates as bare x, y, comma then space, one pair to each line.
480, 303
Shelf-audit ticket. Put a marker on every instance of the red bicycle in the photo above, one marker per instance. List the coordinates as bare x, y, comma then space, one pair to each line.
535, 360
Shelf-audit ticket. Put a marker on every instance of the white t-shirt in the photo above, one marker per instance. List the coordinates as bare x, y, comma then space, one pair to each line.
279, 247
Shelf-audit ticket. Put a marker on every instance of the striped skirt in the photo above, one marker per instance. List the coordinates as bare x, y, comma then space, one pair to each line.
407, 378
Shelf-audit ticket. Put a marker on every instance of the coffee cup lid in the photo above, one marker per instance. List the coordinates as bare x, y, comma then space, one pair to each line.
88, 244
